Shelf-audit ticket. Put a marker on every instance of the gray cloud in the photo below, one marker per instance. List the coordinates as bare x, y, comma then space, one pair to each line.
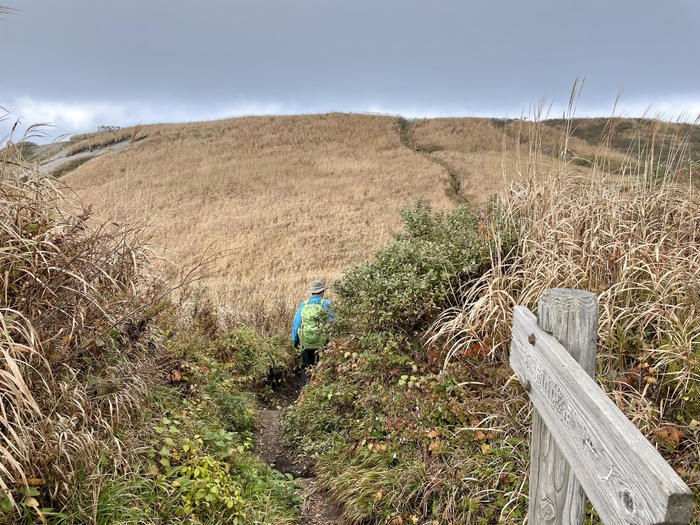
81, 61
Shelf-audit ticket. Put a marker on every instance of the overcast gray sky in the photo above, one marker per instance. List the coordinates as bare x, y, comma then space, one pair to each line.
79, 63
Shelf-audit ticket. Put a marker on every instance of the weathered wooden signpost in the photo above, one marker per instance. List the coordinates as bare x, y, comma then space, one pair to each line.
582, 444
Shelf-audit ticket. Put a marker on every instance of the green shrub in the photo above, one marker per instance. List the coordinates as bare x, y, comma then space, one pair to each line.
235, 411
205, 485
200, 467
395, 430
415, 276
252, 357
395, 440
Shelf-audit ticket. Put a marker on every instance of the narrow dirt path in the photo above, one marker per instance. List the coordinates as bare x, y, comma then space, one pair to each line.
271, 448
60, 158
453, 176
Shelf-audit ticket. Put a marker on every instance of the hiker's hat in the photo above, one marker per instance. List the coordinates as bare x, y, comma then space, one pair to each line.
317, 287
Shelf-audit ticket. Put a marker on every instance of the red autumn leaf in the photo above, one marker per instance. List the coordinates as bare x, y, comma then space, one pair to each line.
669, 432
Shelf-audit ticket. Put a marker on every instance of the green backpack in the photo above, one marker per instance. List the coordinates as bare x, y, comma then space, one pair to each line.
312, 332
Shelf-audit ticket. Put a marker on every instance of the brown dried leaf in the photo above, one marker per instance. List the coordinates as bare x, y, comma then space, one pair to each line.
669, 432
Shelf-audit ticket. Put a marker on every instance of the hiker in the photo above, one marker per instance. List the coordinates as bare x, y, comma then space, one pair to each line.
310, 329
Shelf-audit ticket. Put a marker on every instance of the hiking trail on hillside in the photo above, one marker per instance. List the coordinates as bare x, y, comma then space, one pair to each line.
271, 448
60, 158
454, 178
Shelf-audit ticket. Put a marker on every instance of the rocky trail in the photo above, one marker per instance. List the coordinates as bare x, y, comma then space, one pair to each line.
271, 448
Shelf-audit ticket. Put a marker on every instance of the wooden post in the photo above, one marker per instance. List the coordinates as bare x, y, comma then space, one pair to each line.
626, 479
556, 497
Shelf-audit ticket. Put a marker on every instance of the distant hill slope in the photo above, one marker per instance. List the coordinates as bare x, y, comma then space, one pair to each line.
301, 197
485, 154
292, 198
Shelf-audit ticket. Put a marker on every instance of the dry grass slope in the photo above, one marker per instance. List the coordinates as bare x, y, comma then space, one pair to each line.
290, 198
300, 197
488, 154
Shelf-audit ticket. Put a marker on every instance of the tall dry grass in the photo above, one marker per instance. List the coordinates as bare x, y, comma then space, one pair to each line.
77, 353
480, 156
292, 199
633, 238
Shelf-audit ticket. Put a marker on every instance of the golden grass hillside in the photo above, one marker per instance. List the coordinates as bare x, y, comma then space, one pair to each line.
487, 155
290, 199
295, 198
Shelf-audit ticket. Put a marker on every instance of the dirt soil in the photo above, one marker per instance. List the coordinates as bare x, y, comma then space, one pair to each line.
271, 448
269, 444
316, 507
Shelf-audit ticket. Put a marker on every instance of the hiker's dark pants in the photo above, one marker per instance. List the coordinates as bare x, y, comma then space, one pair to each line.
309, 356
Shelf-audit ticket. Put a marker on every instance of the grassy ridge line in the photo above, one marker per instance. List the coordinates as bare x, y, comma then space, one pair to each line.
93, 141
27, 151
209, 185
630, 135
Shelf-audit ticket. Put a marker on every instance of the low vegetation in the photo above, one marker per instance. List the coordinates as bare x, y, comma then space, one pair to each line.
198, 465
69, 166
635, 136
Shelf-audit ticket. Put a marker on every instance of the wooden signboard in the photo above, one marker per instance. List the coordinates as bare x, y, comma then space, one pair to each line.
625, 478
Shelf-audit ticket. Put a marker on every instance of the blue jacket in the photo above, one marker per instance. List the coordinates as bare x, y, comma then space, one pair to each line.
315, 299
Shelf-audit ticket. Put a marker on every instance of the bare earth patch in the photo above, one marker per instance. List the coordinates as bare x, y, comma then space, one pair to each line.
271, 448
317, 508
